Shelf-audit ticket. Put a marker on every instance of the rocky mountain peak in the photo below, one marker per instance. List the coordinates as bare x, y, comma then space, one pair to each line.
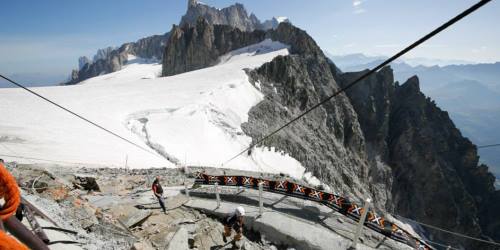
110, 59
197, 46
234, 15
299, 40
412, 85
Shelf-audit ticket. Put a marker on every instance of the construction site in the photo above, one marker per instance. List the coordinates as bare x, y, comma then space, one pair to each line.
116, 209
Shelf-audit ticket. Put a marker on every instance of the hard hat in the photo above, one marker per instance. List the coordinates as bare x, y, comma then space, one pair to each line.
240, 211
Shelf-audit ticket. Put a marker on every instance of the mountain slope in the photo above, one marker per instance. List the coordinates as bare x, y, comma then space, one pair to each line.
150, 111
469, 92
397, 146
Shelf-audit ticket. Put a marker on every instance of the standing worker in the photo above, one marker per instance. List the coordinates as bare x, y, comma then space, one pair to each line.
158, 192
234, 221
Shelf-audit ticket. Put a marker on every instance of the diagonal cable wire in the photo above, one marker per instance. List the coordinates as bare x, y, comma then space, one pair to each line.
477, 147
451, 232
365, 75
489, 146
81, 117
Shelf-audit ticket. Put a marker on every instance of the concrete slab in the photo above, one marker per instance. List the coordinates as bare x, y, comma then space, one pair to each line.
135, 218
291, 222
179, 240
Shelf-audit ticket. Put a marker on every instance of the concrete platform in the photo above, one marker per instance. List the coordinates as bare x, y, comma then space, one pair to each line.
288, 221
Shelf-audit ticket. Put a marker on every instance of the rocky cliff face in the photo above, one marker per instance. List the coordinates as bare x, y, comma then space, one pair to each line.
380, 139
435, 172
329, 141
110, 60
234, 16
195, 47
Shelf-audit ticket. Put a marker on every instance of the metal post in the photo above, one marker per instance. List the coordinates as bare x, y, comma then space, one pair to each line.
217, 196
126, 163
37, 229
261, 202
186, 189
362, 219
148, 177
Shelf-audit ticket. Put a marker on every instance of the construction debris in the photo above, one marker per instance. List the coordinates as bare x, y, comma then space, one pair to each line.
126, 215
135, 218
86, 183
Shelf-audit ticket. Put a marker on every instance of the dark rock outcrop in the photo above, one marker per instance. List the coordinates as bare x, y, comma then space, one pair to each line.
235, 16
195, 47
199, 46
329, 141
273, 23
435, 172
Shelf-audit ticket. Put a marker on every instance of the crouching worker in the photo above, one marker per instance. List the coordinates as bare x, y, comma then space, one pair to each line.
158, 192
234, 221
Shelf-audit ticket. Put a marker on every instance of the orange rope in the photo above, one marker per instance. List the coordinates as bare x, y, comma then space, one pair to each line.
9, 243
9, 191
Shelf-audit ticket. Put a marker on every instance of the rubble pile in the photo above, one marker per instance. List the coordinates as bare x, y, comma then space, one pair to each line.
115, 209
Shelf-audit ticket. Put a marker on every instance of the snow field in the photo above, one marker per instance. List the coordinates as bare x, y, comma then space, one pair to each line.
193, 118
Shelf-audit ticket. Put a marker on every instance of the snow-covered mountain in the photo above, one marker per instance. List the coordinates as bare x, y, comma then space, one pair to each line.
219, 88
192, 118
111, 59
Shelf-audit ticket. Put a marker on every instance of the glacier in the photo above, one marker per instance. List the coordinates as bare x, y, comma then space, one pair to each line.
190, 119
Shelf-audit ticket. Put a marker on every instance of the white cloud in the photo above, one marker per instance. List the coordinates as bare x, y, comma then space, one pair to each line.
356, 4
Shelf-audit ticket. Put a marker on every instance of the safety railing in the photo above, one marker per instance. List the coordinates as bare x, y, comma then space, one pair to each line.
338, 203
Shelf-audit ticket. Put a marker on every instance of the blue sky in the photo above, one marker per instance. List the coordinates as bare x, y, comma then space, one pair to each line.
45, 38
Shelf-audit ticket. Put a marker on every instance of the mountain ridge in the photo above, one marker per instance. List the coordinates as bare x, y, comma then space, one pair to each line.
469, 92
110, 59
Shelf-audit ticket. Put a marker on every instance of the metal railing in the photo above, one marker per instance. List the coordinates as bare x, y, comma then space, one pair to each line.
362, 214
